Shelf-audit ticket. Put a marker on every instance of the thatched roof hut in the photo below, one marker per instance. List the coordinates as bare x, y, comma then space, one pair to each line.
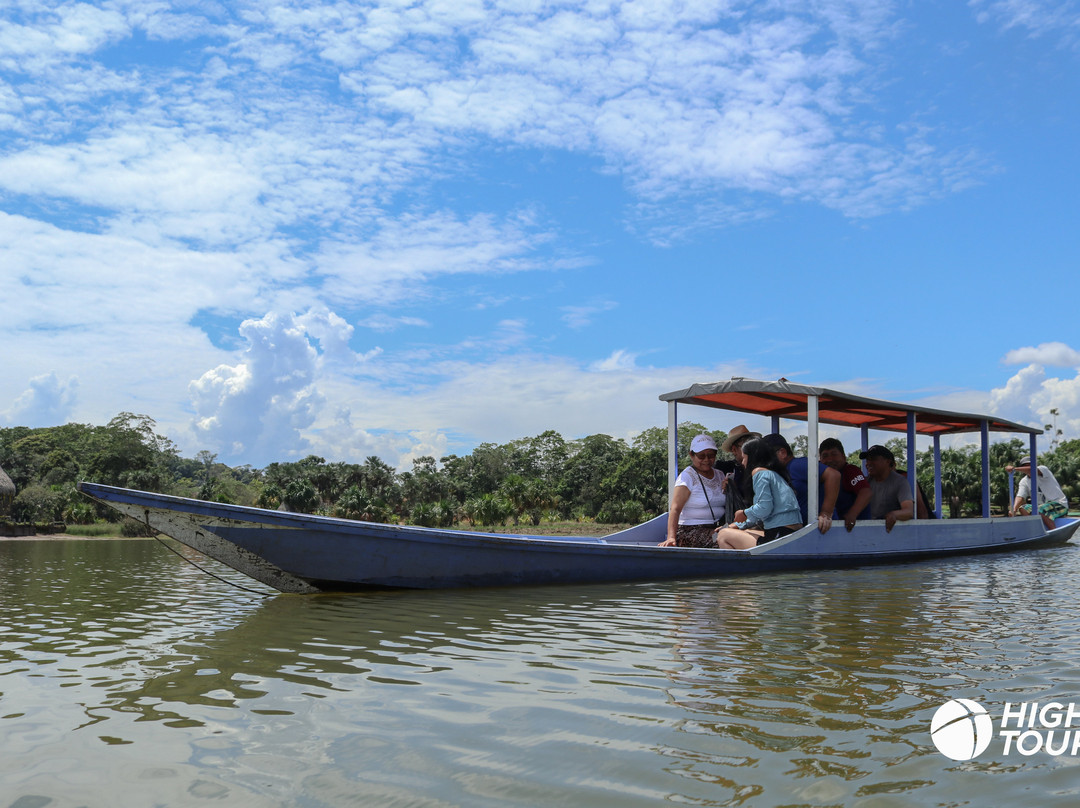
7, 493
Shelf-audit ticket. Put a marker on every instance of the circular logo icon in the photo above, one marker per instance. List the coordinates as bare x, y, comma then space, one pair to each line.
961, 729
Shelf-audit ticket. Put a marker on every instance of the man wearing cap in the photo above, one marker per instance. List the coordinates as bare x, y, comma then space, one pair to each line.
853, 501
1053, 503
890, 492
799, 469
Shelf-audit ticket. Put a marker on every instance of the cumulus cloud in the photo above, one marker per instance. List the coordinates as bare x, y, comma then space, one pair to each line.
282, 399
1029, 396
260, 407
1055, 354
48, 401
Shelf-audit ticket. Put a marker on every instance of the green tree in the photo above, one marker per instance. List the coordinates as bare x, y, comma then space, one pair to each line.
593, 458
537, 498
487, 509
360, 503
300, 496
655, 439
641, 477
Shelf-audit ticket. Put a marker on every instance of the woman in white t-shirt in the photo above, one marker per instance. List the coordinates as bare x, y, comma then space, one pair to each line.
698, 504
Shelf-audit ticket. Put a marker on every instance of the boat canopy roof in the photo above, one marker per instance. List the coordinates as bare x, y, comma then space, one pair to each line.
784, 399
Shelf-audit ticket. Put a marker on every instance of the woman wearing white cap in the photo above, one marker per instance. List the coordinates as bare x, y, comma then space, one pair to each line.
698, 504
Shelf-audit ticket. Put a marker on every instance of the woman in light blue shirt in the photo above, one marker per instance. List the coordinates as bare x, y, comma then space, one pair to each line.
775, 504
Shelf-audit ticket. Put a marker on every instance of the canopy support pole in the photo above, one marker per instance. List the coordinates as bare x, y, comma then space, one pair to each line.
672, 447
1034, 475
912, 476
984, 437
812, 473
864, 433
937, 475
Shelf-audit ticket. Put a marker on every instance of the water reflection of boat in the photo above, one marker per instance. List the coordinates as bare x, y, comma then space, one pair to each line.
302, 553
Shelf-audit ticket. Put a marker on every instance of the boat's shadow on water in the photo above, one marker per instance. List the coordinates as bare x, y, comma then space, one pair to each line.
876, 620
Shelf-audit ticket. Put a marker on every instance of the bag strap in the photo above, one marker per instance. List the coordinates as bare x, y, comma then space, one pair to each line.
705, 491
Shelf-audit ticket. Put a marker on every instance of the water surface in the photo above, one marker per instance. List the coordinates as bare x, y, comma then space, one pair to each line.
130, 678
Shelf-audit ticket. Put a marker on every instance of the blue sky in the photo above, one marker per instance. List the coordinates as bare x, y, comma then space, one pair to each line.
408, 228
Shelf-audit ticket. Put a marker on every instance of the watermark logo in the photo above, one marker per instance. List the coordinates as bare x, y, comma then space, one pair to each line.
962, 729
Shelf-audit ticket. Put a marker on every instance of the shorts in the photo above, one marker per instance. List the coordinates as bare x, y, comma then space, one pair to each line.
696, 536
773, 533
1055, 510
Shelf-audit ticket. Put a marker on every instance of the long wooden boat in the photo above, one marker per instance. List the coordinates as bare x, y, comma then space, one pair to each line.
305, 554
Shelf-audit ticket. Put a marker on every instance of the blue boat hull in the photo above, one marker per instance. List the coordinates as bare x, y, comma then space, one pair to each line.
302, 553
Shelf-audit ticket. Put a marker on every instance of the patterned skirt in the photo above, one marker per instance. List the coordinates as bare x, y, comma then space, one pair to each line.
696, 536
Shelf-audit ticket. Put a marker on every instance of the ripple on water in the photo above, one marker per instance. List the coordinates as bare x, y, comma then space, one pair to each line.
124, 673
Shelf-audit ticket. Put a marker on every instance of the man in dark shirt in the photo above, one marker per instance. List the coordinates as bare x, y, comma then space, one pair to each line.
853, 501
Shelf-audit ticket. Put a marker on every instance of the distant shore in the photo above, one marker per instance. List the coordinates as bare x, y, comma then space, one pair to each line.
547, 529
589, 529
62, 537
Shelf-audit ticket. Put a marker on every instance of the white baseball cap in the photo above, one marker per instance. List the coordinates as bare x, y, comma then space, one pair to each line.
702, 442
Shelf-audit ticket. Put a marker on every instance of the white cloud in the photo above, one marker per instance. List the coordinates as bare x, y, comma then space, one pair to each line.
409, 250
283, 398
385, 322
578, 317
1029, 396
66, 30
230, 144
1059, 19
46, 402
508, 397
618, 361
259, 406
1056, 354
699, 97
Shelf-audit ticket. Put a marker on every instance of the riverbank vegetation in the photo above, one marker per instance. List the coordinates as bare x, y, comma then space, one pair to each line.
536, 484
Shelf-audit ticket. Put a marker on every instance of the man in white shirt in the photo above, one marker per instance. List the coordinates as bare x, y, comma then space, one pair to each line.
1053, 503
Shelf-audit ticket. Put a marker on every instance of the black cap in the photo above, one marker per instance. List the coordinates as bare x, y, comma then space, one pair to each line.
877, 450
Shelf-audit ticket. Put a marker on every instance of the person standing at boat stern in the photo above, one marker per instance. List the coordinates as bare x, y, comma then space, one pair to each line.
698, 503
775, 504
1053, 504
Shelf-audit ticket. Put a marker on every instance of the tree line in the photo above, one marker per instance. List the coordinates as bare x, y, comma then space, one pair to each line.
526, 481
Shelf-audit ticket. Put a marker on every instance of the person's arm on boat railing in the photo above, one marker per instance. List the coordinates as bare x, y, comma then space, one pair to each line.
831, 479
862, 500
679, 498
902, 514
